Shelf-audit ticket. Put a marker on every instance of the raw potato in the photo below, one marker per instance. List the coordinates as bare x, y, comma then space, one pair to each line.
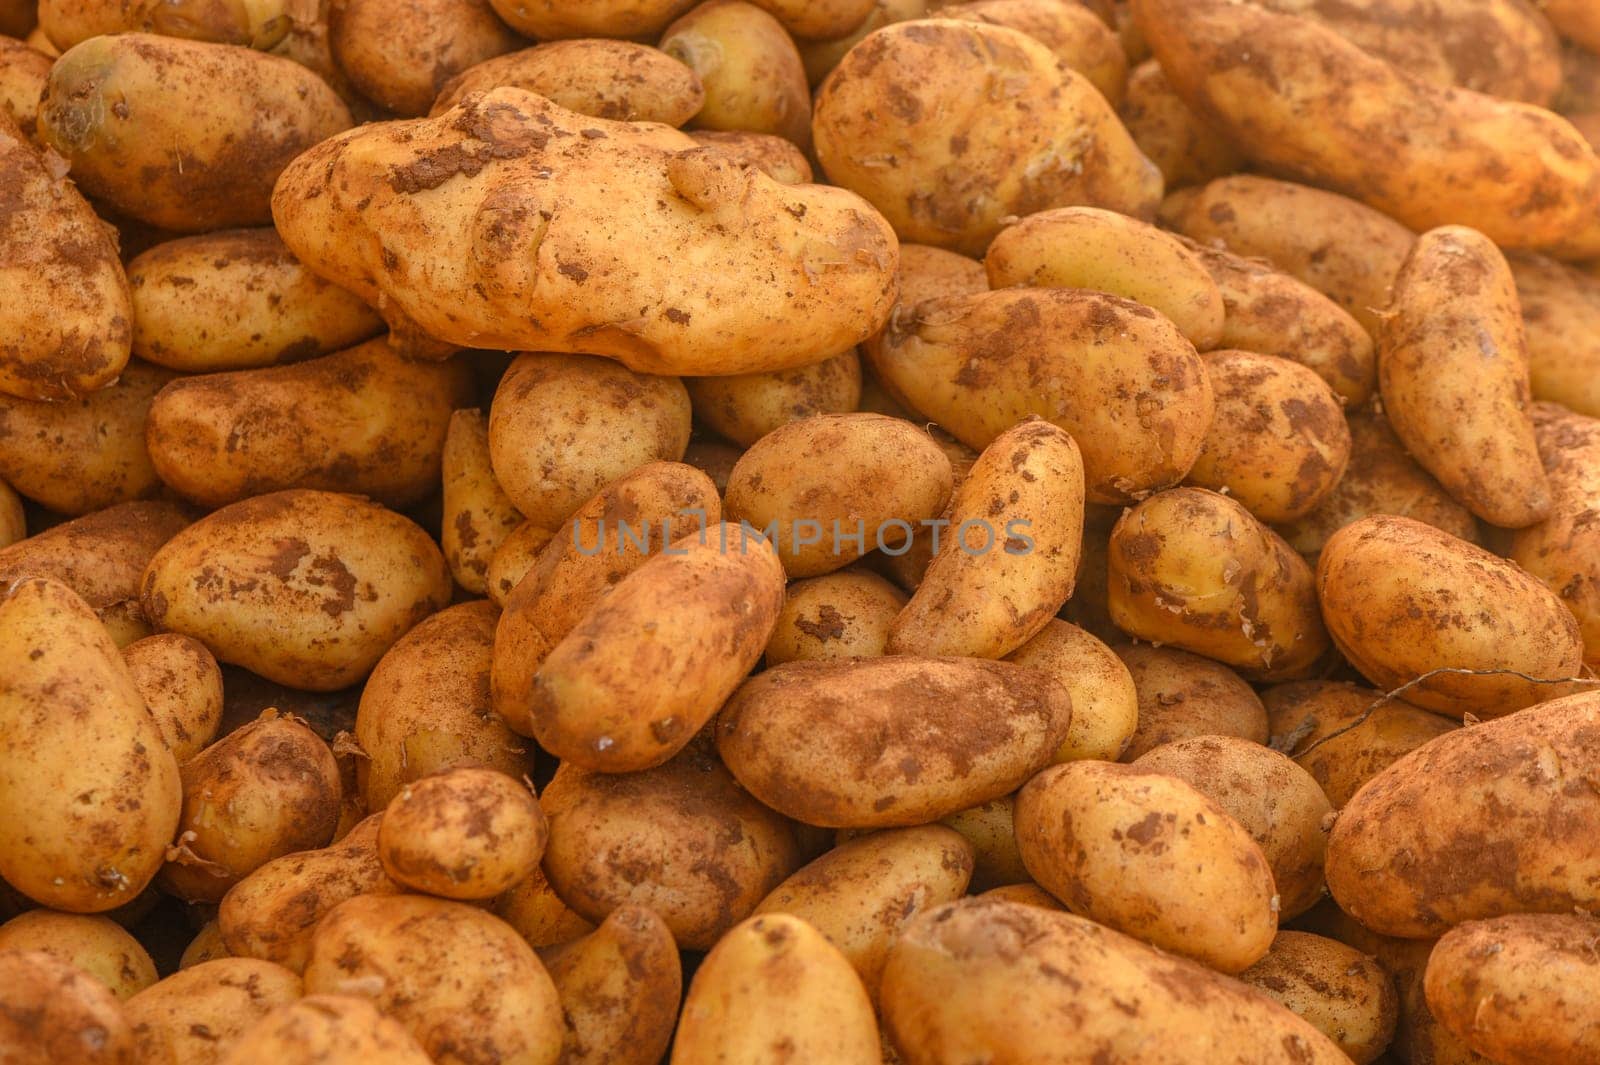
514, 557
115, 106
194, 1016
619, 80
620, 989
836, 616
774, 156
988, 827
539, 915
219, 438
1278, 443
66, 323
820, 19
400, 55
746, 407
255, 24
787, 275
820, 57
1105, 702
986, 595
1074, 33
181, 685
1561, 316
749, 66
979, 980
552, 19
1403, 599
23, 72
478, 516
97, 945
13, 520
235, 300
207, 945
72, 725
774, 990
1428, 806
1117, 376
1193, 569
326, 1030
1187, 148
52, 1012
305, 588
1345, 993
878, 742
1563, 551
907, 119
1575, 19
466, 833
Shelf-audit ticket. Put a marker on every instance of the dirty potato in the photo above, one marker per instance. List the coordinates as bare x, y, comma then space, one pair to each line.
1187, 148
248, 23
1345, 993
52, 1011
537, 913
1074, 33
778, 158
466, 833
514, 557
559, 19
749, 68
97, 945
1561, 317
1105, 701
746, 407
478, 516
181, 685
838, 615
326, 1030
619, 80
620, 989
400, 55
193, 1017
23, 73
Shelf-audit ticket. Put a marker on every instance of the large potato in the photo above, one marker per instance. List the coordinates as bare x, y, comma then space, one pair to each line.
1115, 375
619, 80
1078, 37
466, 833
912, 121
89, 792
477, 515
554, 19
1345, 993
821, 56
1402, 600
746, 407
779, 159
838, 615
181, 685
1105, 701
749, 67
577, 282
326, 1030
52, 1012
1184, 146
400, 55
97, 945
194, 1016
1563, 551
306, 588
620, 988
1561, 316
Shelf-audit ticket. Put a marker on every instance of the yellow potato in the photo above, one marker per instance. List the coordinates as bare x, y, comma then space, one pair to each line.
778, 158
821, 56
1074, 33
838, 615
1029, 894
746, 407
1575, 19
181, 685
89, 792
620, 988
326, 1030
749, 66
13, 519
619, 80
1561, 315
97, 945
207, 945
401, 55
988, 828
250, 23
194, 1016
53, 1012
478, 516
1346, 994
539, 916
553, 19
513, 558
1563, 551
23, 73
1105, 702
1184, 146
465, 833
819, 19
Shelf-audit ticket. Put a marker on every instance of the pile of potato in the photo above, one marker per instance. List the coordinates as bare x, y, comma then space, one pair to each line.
799, 531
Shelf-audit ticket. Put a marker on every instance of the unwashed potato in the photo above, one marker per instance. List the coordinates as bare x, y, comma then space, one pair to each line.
97, 945
1402, 599
585, 287
619, 80
1184, 146
749, 67
220, 438
780, 159
908, 120
1563, 551
237, 299
194, 1016
303, 587
1117, 376
539, 916
1105, 701
554, 19
1193, 569
1428, 806
207, 945
1575, 19
821, 56
838, 615
326, 1030
89, 792
1346, 994
115, 107
400, 55
620, 989
1074, 33
515, 556
823, 20
1561, 316
13, 519
181, 685
53, 1012
746, 407
23, 73
466, 833
249, 23
988, 828
981, 979
477, 516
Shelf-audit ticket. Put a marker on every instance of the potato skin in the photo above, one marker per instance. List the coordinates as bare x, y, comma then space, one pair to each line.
194, 1016
537, 913
97, 945
620, 988
1345, 993
477, 516
1184, 146
746, 407
1182, 695
774, 156
1105, 702
326, 1030
556, 19
466, 833
620, 80
839, 615
181, 685
823, 20
749, 67
257, 25
23, 72
1563, 551
1074, 33
268, 582
51, 1012
13, 519
400, 55
1561, 317
514, 558
115, 105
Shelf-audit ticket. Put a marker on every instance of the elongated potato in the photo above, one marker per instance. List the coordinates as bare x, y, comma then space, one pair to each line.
306, 588
1345, 993
52, 1011
1561, 316
1403, 599
97, 945
478, 516
466, 833
821, 56
194, 1016
401, 55
1186, 148
1074, 33
89, 792
1563, 551
255, 24
907, 120
181, 686
326, 1030
749, 67
838, 615
746, 407
619, 80
620, 988
1105, 701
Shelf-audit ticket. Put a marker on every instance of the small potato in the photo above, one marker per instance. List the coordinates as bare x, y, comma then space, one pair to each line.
1403, 599
620, 988
1278, 443
1561, 316
514, 558
683, 839
878, 742
749, 66
537, 913
1563, 551
619, 80
207, 945
462, 834
1148, 854
835, 616
1193, 569
746, 407
988, 828
115, 106
478, 515
97, 945
326, 1030
556, 19
819, 19
181, 684
306, 588
1105, 701
775, 990
1029, 894
248, 23
1074, 33
52, 1012
23, 73
194, 1016
821, 56
1184, 146
400, 55
779, 159
1346, 994
962, 158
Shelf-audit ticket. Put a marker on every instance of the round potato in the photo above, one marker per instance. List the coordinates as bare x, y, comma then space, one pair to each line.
1563, 551
97, 945
400, 55
181, 685
53, 1012
1181, 696
1186, 148
1105, 700
194, 1016
462, 834
326, 1030
620, 988
749, 67
619, 80
746, 407
477, 515
1346, 994
838, 615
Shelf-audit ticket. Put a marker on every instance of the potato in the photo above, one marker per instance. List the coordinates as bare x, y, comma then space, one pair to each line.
194, 1016
1561, 315
1561, 551
537, 913
1278, 803
23, 72
249, 23
986, 595
13, 519
1186, 148
220, 438
821, 56
1403, 599
513, 557
1105, 704
552, 19
1427, 806
1425, 155
1074, 33
207, 945
1278, 443
465, 833
235, 300
775, 990
819, 19
478, 515
749, 66
326, 1030
861, 894
181, 685
67, 319
1115, 375
53, 1012
303, 587
982, 979
1516, 988
89, 792
1343, 249
907, 120
839, 615
620, 987
683, 839
115, 106
1346, 994
400, 56
745, 310
1576, 20
1193, 569
619, 80
774, 156
1029, 894
878, 742
97, 945
746, 407
80, 455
